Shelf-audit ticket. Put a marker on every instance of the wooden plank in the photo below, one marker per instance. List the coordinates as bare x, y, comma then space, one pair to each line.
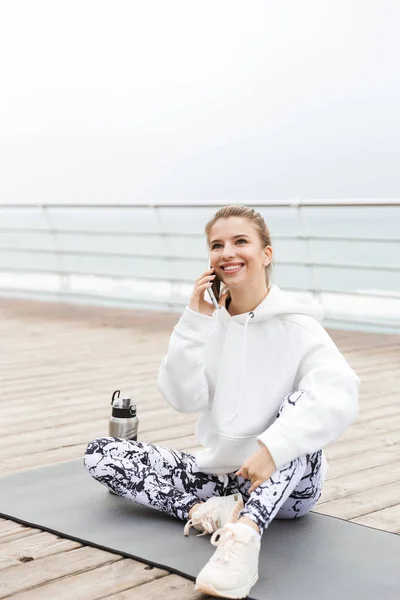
120, 575
33, 447
91, 376
105, 380
371, 428
50, 371
100, 317
340, 487
39, 459
367, 355
377, 388
154, 429
85, 400
378, 396
379, 412
357, 344
188, 443
381, 401
9, 531
63, 414
30, 359
376, 371
114, 354
366, 460
69, 400
172, 587
102, 388
363, 502
375, 380
361, 444
23, 342
33, 547
87, 425
387, 519
27, 575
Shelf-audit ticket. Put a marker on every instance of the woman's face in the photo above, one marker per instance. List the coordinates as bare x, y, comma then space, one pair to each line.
235, 241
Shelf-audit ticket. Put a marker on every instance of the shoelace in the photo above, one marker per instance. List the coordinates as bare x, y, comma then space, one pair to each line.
207, 523
226, 543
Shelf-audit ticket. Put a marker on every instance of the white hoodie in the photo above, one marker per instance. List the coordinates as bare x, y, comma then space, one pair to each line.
236, 372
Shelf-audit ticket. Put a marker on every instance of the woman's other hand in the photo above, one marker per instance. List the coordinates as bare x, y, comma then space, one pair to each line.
258, 467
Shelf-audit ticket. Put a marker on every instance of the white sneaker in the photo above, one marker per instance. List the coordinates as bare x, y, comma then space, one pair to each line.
215, 513
233, 569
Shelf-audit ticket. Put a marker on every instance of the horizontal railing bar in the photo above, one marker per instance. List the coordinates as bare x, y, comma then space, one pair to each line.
84, 294
179, 303
278, 236
288, 263
167, 258
389, 296
288, 203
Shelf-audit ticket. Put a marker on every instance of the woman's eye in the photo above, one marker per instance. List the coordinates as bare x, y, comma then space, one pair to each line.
240, 240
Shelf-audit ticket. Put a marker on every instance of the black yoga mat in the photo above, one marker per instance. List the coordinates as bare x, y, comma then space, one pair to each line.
314, 557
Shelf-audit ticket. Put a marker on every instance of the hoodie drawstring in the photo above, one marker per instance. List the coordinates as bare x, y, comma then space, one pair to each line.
239, 405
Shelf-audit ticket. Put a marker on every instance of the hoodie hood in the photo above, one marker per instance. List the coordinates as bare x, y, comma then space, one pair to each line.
275, 303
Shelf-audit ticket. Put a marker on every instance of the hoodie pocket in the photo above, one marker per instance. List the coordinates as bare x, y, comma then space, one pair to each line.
223, 453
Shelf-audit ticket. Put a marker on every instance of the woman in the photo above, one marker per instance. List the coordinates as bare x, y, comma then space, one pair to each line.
272, 390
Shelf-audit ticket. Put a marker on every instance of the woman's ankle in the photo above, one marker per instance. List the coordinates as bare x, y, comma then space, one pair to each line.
250, 522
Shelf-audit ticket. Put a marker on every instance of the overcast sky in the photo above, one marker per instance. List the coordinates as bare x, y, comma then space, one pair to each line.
228, 101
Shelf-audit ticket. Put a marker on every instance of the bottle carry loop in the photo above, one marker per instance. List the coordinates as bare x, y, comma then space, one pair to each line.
113, 398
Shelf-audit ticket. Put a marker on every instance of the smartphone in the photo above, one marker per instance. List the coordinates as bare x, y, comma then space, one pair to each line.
214, 290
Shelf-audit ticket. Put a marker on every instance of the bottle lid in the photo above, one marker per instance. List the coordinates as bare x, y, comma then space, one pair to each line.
124, 400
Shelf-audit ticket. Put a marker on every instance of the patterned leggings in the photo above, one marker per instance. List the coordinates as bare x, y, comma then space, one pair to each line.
168, 480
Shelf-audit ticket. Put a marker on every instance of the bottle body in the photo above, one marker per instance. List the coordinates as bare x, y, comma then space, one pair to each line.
126, 428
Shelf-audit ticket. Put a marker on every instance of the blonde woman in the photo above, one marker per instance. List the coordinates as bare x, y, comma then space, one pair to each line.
271, 389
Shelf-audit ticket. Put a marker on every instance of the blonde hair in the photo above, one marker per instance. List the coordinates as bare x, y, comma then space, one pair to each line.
240, 210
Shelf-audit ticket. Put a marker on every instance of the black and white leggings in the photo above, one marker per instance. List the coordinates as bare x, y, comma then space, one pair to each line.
169, 481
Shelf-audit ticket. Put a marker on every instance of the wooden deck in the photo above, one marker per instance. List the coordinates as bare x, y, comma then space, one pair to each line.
61, 356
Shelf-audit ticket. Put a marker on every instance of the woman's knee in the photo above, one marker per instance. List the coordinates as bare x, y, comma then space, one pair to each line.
95, 450
296, 508
97, 445
112, 448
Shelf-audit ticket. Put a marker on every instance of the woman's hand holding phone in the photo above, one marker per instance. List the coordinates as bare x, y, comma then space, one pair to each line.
197, 301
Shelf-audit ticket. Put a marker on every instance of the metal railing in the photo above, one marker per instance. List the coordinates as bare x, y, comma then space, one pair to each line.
344, 254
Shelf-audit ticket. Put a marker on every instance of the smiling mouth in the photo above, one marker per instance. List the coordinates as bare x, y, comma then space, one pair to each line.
232, 269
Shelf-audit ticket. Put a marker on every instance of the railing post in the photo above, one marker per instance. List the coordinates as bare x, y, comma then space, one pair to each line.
173, 285
64, 278
304, 233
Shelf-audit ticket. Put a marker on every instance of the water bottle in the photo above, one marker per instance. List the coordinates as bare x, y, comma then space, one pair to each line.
123, 422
